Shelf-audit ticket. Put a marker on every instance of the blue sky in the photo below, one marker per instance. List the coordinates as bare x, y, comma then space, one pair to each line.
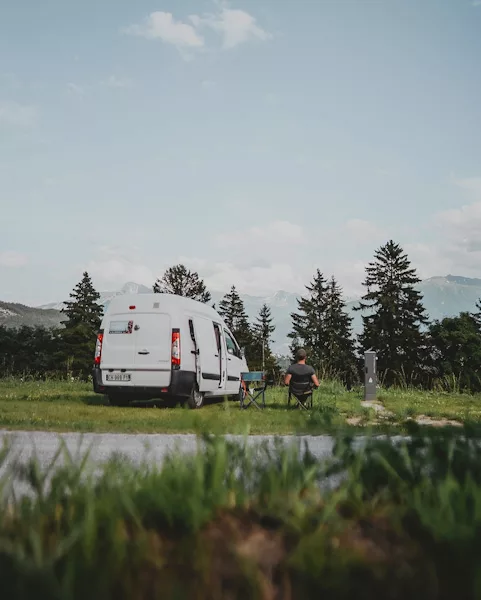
254, 140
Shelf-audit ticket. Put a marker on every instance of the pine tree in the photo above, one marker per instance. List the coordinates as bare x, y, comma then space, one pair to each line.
231, 309
340, 346
393, 327
84, 316
456, 352
183, 282
477, 313
262, 332
308, 325
264, 327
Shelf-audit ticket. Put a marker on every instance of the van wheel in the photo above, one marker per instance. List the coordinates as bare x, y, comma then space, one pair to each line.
118, 400
196, 399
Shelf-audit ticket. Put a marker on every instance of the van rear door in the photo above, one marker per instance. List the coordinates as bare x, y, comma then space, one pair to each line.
136, 350
153, 341
118, 343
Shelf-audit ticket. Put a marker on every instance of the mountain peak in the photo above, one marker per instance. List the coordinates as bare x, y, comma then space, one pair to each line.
459, 280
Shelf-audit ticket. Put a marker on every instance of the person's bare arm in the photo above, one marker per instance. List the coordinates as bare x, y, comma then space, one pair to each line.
315, 380
287, 378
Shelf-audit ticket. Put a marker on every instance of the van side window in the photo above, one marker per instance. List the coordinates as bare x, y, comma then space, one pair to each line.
191, 328
232, 347
217, 337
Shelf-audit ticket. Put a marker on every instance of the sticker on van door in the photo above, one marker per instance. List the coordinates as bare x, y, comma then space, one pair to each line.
121, 326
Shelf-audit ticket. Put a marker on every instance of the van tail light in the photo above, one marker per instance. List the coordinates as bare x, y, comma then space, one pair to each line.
98, 348
176, 348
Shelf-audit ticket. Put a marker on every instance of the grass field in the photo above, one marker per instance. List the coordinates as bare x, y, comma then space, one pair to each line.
235, 522
65, 406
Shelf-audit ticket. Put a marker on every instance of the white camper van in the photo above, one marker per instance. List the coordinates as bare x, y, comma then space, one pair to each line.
165, 346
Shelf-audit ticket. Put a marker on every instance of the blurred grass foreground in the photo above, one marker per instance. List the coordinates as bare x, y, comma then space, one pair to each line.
400, 518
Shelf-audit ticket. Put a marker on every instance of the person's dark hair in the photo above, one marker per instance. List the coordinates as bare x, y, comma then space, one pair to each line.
301, 354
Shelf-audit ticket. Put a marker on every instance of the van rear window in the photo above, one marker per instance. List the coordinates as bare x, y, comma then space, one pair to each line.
120, 326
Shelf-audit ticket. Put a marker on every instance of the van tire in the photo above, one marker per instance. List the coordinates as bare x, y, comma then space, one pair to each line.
196, 399
118, 400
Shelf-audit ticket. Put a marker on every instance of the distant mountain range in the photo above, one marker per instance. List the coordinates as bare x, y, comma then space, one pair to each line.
442, 297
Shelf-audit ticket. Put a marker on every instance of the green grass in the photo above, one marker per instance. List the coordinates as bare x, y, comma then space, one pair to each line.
235, 521
72, 406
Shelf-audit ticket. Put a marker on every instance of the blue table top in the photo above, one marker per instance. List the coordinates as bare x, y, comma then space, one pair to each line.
253, 376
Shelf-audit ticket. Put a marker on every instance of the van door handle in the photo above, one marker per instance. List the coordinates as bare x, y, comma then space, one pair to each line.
143, 352
216, 355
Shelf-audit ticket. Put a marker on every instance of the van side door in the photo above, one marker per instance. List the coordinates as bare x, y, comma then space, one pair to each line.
209, 358
234, 363
195, 350
221, 348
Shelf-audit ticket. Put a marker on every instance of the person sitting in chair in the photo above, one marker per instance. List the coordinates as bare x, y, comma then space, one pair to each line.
301, 377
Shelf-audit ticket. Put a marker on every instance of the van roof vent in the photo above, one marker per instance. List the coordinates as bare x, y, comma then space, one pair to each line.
156, 304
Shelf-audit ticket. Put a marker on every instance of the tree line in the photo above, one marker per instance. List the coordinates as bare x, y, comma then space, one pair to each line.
411, 349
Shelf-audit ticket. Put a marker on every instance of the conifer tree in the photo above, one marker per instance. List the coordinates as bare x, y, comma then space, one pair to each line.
262, 331
84, 315
231, 309
264, 327
456, 352
182, 282
308, 325
396, 314
477, 313
340, 346
323, 328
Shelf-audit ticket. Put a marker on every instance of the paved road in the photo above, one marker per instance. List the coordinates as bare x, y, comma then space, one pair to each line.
136, 447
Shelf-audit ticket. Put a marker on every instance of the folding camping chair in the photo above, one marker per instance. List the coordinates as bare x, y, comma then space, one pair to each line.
259, 390
302, 392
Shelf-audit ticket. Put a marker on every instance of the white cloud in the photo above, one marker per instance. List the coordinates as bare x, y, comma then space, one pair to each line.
248, 278
430, 260
115, 266
117, 271
458, 229
162, 25
12, 113
462, 227
235, 26
279, 232
476, 3
471, 184
350, 275
117, 82
363, 230
259, 238
12, 259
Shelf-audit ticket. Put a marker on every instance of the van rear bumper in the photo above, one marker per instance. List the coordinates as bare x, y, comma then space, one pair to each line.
181, 384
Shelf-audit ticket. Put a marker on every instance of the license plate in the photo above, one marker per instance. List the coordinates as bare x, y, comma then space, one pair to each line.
118, 377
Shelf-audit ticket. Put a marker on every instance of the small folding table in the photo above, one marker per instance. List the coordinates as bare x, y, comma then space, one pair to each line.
255, 377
